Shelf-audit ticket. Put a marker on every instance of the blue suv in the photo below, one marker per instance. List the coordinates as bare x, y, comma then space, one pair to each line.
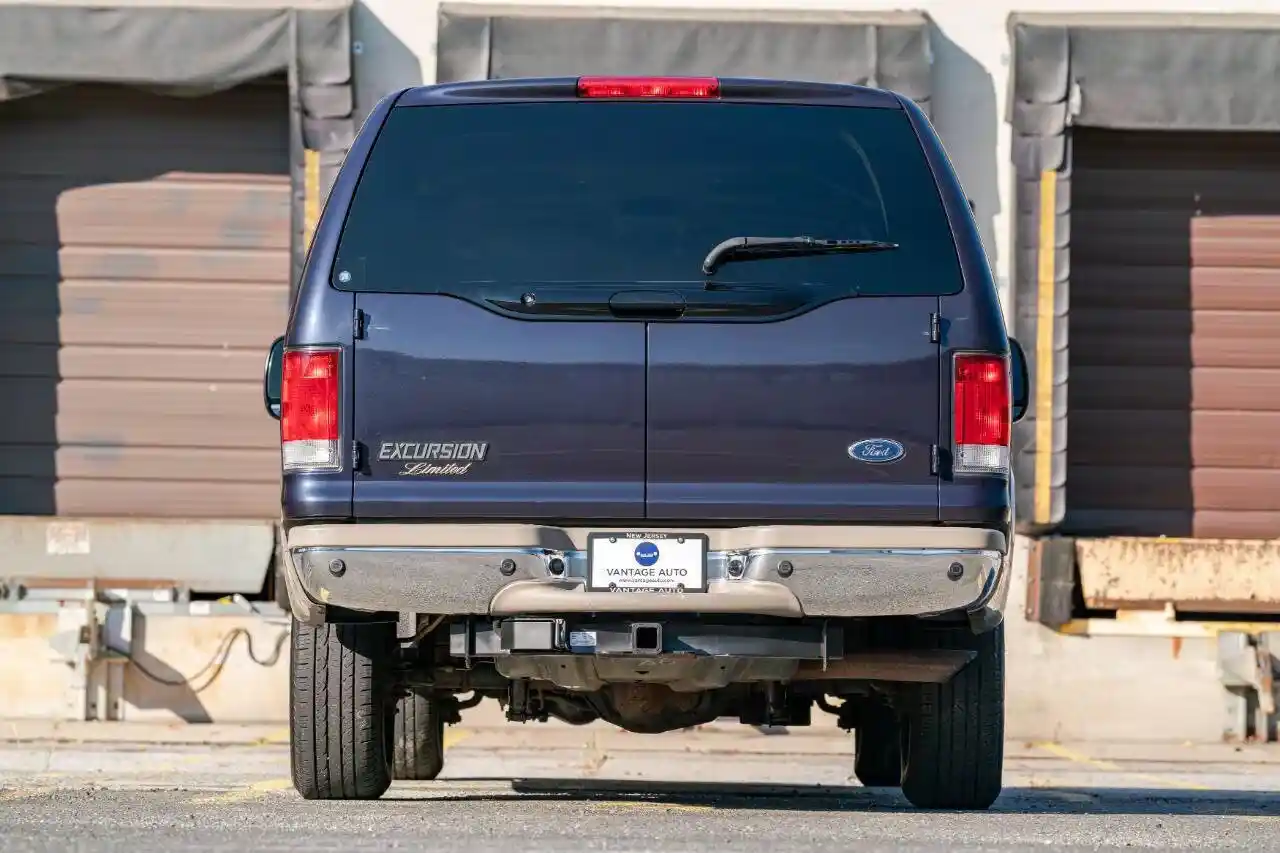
652, 401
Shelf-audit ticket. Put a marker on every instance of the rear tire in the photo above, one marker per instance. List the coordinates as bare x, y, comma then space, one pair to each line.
877, 747
954, 740
339, 720
419, 739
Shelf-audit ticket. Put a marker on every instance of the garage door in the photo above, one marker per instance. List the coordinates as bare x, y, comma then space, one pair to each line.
144, 263
1174, 388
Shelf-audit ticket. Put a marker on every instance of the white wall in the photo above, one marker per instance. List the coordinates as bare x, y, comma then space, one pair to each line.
970, 77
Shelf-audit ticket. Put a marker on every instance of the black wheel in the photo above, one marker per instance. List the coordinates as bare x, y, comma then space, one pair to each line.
954, 740
339, 720
877, 747
419, 738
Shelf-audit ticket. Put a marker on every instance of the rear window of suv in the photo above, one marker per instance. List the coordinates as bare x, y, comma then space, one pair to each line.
456, 199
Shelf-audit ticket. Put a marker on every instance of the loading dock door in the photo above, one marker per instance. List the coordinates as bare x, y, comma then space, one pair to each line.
144, 268
1174, 391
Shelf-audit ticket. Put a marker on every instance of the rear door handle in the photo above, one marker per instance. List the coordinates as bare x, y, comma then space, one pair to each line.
639, 304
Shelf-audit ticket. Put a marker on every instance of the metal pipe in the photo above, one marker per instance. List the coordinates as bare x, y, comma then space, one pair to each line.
921, 667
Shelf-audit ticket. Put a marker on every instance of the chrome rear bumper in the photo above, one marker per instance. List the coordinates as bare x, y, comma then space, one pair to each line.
950, 570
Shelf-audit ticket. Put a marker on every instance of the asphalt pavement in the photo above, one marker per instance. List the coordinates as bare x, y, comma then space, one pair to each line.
533, 788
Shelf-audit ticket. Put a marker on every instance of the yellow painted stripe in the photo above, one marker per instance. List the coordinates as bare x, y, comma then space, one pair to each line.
28, 793
1044, 348
274, 738
1071, 755
280, 736
1065, 796
250, 792
648, 804
455, 736
311, 194
1159, 628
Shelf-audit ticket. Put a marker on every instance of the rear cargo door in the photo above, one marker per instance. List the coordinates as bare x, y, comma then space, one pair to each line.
800, 388
831, 415
462, 407
468, 414
464, 413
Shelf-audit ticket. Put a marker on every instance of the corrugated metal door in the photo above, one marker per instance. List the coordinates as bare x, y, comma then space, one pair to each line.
144, 263
1174, 386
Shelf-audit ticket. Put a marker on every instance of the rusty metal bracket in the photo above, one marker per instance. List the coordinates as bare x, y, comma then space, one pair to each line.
1249, 667
1051, 581
1232, 577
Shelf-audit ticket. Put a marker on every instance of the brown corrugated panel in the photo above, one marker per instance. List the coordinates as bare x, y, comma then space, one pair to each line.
1174, 389
144, 263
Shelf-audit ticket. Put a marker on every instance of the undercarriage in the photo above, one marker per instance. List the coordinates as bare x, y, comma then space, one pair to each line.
924, 696
655, 676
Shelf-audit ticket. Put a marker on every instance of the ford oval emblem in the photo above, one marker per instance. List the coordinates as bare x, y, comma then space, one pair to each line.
876, 450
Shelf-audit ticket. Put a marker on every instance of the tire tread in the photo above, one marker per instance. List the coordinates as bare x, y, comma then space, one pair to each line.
337, 711
419, 739
877, 753
955, 742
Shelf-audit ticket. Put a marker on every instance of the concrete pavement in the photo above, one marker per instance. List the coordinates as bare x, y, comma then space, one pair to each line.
536, 787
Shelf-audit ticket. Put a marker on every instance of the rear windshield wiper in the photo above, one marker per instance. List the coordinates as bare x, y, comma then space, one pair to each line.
762, 248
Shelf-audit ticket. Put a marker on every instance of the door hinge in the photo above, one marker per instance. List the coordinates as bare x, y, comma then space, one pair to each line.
357, 456
358, 325
935, 328
935, 459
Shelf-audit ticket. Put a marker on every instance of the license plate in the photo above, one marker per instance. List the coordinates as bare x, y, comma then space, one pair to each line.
647, 562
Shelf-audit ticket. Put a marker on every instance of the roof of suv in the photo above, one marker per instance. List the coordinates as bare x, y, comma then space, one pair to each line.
727, 89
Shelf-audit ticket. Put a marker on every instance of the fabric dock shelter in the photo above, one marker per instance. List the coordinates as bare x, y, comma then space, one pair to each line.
886, 50
1152, 72
189, 50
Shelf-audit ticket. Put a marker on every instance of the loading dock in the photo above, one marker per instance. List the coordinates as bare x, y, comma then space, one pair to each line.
1147, 285
160, 166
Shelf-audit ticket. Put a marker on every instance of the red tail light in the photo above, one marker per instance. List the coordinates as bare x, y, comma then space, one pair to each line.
648, 87
982, 414
309, 410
